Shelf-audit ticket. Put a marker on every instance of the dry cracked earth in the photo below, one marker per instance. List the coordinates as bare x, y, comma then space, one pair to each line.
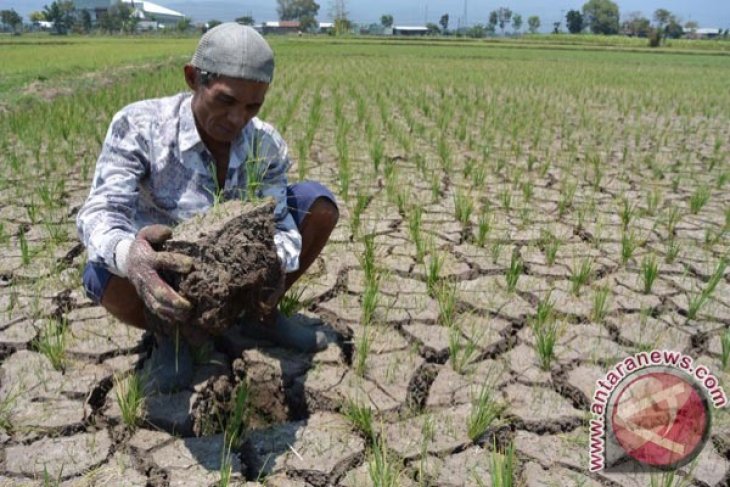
64, 426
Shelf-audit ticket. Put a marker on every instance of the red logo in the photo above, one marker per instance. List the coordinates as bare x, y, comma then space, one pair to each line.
660, 419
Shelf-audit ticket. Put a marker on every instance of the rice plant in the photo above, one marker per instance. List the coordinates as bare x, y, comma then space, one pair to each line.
130, 398
383, 468
461, 350
600, 304
52, 342
464, 206
545, 329
433, 272
484, 410
672, 251
549, 244
629, 243
699, 199
626, 213
697, 301
502, 471
649, 272
484, 225
446, 299
580, 275
514, 272
292, 301
361, 417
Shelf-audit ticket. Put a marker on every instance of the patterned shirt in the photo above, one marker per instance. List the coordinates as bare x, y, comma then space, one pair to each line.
154, 168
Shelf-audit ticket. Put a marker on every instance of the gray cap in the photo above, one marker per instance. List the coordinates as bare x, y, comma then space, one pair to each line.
237, 51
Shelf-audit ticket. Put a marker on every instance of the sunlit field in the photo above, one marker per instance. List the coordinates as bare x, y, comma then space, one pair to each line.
514, 219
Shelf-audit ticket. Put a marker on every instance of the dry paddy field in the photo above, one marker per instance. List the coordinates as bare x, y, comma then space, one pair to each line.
515, 219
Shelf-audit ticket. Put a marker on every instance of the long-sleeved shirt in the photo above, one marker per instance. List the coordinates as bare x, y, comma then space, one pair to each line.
154, 168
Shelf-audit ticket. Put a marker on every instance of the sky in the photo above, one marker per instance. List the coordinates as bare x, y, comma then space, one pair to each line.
707, 13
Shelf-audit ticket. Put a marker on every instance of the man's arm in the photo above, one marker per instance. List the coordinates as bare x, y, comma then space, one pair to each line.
275, 163
105, 222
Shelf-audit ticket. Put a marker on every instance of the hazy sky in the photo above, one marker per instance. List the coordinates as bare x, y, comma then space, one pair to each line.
708, 13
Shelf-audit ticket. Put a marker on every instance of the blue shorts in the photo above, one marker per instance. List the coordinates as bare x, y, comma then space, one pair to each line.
299, 198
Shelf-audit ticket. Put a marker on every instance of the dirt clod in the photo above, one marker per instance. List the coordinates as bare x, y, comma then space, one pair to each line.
235, 263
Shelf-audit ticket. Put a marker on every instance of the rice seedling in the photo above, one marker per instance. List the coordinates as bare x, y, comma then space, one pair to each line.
600, 304
52, 341
580, 275
370, 300
130, 398
549, 244
484, 225
672, 251
545, 329
361, 202
362, 350
629, 243
484, 411
502, 468
626, 213
653, 201
461, 350
697, 301
464, 206
699, 199
566, 198
514, 272
649, 272
505, 197
292, 301
361, 417
433, 272
383, 468
446, 299
376, 153
25, 255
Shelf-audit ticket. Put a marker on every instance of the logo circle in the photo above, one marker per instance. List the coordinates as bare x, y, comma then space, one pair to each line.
660, 417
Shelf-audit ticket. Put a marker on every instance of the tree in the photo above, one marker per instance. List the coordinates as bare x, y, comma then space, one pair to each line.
120, 18
386, 20
673, 29
213, 22
308, 23
502, 15
601, 16
493, 19
37, 16
662, 17
556, 27
444, 22
296, 9
476, 31
574, 21
433, 29
245, 20
636, 25
533, 24
12, 19
60, 13
516, 22
85, 23
184, 24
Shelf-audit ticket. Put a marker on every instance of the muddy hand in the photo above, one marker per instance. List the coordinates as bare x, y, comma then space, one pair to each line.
270, 297
144, 264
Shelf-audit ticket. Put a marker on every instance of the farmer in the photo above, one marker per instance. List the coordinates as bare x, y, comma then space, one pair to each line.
163, 161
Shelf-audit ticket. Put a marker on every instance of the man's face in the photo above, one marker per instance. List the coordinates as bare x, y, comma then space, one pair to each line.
225, 105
